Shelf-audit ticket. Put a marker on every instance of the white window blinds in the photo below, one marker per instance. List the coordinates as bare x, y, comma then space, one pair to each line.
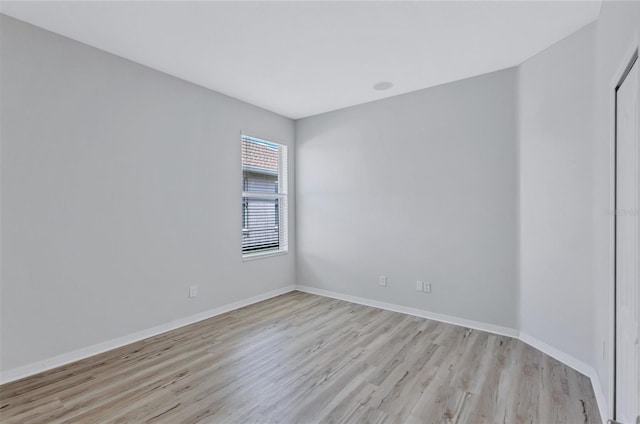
264, 196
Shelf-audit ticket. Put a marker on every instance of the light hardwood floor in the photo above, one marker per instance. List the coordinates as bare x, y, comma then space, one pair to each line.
300, 358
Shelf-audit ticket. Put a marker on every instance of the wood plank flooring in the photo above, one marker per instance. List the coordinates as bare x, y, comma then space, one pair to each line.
301, 358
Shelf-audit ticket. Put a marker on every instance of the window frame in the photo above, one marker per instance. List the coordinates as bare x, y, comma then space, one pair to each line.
281, 194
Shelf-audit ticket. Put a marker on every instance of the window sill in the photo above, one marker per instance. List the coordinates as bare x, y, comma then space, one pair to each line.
260, 255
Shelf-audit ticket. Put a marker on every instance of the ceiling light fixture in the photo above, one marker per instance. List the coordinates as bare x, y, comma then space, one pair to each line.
383, 85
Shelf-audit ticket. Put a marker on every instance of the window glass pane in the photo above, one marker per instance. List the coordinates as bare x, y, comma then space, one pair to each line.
264, 173
260, 183
262, 230
260, 165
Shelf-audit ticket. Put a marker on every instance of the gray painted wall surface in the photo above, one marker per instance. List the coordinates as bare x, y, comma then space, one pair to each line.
421, 186
567, 126
556, 126
617, 36
121, 187
116, 196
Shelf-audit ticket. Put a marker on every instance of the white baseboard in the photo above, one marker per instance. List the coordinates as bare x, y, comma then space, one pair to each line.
476, 325
569, 360
76, 355
601, 399
566, 359
66, 358
577, 365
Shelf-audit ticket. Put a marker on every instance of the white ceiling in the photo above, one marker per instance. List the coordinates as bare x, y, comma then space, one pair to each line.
303, 58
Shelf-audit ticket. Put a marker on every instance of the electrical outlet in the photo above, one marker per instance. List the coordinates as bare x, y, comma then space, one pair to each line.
419, 286
193, 291
426, 287
382, 281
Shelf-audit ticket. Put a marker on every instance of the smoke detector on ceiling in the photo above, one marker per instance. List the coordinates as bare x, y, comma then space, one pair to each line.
383, 85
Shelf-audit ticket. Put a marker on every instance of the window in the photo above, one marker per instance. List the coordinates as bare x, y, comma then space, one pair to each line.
264, 197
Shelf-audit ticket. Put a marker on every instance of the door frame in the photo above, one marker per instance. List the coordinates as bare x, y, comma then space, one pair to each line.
619, 80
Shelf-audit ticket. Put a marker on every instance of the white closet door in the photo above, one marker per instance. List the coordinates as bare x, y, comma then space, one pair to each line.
627, 251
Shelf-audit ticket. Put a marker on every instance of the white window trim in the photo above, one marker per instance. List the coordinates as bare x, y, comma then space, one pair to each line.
262, 255
263, 195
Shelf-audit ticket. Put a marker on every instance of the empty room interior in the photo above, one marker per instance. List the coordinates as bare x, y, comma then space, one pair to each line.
319, 212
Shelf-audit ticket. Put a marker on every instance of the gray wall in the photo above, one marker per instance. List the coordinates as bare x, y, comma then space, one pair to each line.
566, 128
121, 187
421, 186
116, 196
617, 36
556, 98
